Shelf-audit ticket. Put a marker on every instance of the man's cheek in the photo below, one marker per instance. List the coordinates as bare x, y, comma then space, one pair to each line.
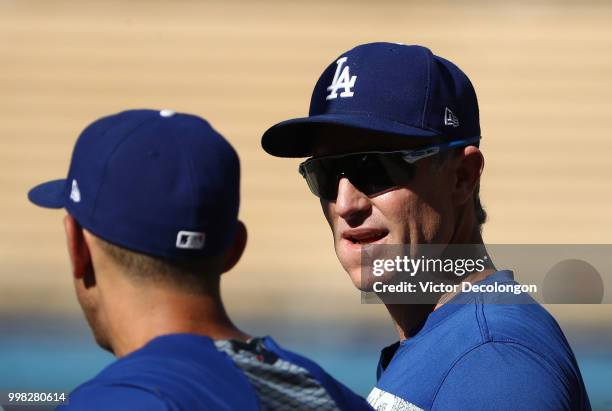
327, 208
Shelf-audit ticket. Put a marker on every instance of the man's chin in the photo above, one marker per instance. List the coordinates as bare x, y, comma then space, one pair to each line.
362, 284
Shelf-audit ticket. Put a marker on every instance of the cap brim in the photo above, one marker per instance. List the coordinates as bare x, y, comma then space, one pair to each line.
295, 138
49, 195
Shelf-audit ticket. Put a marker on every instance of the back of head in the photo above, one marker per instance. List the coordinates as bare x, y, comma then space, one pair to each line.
158, 189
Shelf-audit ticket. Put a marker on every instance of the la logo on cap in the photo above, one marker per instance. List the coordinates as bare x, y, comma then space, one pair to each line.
342, 79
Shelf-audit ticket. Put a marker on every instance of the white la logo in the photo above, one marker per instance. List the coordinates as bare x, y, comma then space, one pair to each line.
341, 80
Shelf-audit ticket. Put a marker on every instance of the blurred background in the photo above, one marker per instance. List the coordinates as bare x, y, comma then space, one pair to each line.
542, 71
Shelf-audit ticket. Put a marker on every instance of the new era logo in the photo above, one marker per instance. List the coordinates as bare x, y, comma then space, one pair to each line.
450, 119
342, 79
191, 240
75, 194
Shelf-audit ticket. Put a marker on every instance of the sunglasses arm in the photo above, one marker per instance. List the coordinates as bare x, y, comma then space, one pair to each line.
415, 155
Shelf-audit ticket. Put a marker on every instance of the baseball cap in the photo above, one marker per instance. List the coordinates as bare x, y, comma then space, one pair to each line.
384, 88
156, 182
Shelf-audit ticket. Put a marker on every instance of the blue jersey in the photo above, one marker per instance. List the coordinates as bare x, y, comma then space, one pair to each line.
187, 372
482, 351
171, 372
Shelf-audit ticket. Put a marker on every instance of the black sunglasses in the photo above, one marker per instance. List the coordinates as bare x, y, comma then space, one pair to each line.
371, 172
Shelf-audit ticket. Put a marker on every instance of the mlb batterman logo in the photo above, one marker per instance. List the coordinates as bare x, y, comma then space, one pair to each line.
342, 79
190, 240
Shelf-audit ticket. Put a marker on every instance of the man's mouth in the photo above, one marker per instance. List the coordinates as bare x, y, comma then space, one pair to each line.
362, 236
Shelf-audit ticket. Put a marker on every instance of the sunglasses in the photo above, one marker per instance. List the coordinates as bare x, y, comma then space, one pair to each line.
371, 172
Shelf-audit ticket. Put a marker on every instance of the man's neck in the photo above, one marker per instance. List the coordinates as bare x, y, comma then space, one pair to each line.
134, 320
409, 318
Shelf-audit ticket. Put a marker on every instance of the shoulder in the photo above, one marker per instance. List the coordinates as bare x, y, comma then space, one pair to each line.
529, 325
113, 396
470, 353
164, 385
532, 331
508, 316
176, 372
507, 376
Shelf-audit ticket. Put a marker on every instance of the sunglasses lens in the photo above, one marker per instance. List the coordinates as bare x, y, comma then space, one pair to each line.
322, 178
379, 172
370, 173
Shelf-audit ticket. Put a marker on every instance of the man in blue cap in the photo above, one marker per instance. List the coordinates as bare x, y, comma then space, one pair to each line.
393, 134
152, 202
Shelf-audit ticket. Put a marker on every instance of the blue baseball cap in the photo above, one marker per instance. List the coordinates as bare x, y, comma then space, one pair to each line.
156, 182
384, 88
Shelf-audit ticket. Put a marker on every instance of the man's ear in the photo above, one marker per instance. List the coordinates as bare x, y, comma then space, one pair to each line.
78, 249
468, 171
233, 254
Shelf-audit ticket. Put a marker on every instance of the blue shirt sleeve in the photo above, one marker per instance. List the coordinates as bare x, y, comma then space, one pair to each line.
116, 397
506, 376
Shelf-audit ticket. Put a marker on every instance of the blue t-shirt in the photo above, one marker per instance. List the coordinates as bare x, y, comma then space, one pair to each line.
188, 372
171, 372
482, 351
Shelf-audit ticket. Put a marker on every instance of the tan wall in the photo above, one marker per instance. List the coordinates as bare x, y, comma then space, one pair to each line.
541, 70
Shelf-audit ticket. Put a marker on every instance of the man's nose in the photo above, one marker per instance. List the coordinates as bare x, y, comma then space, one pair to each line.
351, 203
